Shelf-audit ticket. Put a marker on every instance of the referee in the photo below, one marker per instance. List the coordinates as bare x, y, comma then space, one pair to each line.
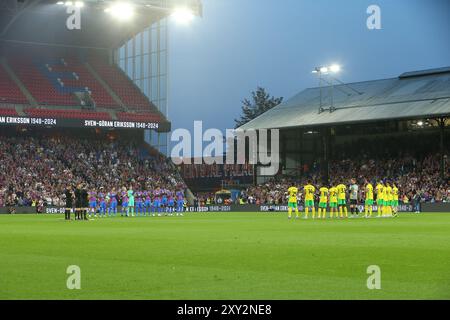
353, 197
78, 202
69, 202
84, 202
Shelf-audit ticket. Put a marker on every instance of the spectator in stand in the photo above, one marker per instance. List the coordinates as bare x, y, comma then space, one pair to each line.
35, 170
411, 176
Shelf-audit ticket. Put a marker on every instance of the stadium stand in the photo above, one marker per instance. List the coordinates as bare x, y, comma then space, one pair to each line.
86, 80
7, 111
9, 92
38, 85
52, 77
411, 175
44, 164
130, 95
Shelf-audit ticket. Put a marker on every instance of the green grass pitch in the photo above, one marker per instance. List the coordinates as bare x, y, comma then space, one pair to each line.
225, 256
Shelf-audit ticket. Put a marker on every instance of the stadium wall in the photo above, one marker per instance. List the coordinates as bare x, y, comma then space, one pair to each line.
425, 207
435, 207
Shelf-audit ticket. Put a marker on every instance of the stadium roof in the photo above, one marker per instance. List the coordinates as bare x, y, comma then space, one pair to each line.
418, 94
43, 21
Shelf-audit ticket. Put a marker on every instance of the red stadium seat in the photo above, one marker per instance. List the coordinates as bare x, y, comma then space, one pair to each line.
130, 95
68, 114
9, 91
8, 112
46, 94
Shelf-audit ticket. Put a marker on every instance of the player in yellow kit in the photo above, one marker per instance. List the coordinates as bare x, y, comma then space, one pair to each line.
380, 198
309, 191
369, 199
395, 199
388, 199
323, 200
333, 192
342, 203
292, 202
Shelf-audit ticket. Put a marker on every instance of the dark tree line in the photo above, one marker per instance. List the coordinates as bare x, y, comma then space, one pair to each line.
259, 103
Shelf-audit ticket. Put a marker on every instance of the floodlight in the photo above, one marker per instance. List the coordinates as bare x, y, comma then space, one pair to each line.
420, 123
121, 11
335, 68
79, 4
60, 3
68, 3
324, 69
182, 15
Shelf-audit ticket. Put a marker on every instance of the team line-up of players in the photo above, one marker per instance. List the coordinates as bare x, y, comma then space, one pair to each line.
135, 202
336, 199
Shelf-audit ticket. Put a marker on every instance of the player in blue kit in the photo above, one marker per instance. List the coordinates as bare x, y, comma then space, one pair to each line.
157, 205
123, 212
92, 204
102, 208
139, 204
112, 210
180, 203
164, 203
170, 204
147, 203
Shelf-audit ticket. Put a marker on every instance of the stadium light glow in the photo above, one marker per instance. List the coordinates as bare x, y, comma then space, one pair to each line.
335, 68
121, 11
60, 3
79, 4
68, 3
420, 123
182, 15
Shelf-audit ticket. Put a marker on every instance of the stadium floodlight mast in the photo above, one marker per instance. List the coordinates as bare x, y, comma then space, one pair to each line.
121, 10
125, 10
325, 70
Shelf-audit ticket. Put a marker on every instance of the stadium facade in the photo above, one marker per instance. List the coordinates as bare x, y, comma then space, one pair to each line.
82, 72
317, 122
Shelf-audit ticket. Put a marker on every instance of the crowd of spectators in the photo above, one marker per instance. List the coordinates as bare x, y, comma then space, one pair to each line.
411, 176
35, 171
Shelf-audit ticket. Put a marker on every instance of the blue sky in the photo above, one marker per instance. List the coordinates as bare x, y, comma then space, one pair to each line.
217, 60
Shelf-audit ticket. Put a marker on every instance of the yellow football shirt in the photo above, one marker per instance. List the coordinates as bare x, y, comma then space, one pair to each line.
388, 193
395, 193
323, 194
369, 192
309, 192
341, 191
380, 191
292, 191
333, 194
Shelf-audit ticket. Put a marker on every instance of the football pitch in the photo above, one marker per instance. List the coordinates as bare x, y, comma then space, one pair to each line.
225, 256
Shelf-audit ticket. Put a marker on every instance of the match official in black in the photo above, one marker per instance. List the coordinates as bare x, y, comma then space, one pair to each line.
69, 202
84, 201
78, 202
